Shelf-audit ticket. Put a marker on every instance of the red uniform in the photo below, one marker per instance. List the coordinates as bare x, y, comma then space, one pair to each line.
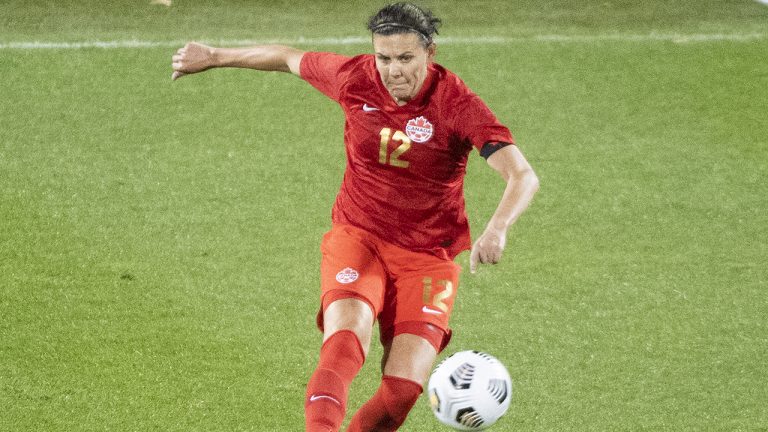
402, 191
405, 164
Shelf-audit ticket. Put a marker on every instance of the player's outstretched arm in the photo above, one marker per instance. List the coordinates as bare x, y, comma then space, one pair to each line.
522, 184
195, 57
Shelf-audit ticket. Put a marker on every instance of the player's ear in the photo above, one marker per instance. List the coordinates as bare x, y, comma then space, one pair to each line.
431, 51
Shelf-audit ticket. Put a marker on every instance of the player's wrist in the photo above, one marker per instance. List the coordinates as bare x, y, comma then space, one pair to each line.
214, 57
497, 226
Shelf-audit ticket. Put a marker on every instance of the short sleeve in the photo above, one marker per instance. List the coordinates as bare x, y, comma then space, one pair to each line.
321, 70
478, 124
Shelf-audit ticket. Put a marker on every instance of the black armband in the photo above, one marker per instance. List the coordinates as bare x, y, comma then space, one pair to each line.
492, 147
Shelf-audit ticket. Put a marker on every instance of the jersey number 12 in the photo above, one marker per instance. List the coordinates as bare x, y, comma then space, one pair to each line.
387, 158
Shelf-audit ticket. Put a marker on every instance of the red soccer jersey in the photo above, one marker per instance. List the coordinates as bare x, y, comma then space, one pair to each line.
405, 164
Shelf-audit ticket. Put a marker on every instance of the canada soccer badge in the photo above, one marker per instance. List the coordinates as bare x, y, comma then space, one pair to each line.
348, 275
419, 129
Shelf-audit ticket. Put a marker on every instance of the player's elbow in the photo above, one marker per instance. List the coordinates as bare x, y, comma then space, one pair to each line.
526, 179
533, 181
292, 59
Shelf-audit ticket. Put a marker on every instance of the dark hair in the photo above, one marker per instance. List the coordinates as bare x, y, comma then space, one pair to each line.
404, 18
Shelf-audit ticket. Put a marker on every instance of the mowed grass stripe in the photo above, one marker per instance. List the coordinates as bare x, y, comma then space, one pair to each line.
363, 40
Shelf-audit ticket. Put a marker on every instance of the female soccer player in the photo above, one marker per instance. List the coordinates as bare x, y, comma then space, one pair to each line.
399, 218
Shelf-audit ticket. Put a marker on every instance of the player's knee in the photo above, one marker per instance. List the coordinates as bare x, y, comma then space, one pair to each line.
411, 352
352, 315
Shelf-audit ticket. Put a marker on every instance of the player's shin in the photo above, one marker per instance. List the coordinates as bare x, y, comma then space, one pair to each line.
388, 408
341, 358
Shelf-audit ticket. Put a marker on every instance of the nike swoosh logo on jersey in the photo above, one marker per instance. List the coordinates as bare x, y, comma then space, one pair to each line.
431, 311
367, 108
314, 398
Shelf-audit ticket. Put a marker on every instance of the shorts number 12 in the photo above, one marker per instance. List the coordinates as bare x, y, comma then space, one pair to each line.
437, 299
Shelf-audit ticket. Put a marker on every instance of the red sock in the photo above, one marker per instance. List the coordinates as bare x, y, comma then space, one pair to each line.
341, 358
388, 408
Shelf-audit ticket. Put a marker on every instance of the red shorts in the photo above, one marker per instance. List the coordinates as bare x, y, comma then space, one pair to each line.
409, 292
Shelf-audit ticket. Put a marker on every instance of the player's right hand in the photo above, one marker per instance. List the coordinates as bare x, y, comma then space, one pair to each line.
192, 58
488, 248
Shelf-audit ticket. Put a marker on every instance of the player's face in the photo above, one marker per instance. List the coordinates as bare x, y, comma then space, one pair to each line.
402, 62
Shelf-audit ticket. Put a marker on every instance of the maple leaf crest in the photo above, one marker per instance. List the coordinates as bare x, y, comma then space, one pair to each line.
420, 122
419, 129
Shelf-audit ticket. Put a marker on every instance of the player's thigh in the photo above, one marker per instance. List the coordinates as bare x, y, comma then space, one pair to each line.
409, 356
352, 283
420, 302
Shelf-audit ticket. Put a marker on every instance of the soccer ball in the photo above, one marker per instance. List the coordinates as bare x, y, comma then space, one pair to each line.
469, 390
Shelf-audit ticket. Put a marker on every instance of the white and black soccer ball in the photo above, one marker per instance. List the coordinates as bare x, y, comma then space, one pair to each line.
469, 390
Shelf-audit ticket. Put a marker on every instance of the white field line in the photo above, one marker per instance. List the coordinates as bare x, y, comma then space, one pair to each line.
359, 40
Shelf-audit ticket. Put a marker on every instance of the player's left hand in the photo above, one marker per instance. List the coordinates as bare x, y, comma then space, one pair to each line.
488, 248
192, 58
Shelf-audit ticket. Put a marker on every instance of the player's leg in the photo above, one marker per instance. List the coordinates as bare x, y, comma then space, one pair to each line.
352, 284
414, 326
408, 363
347, 336
349, 314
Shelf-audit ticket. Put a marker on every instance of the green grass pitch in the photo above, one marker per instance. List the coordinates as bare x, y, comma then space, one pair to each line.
159, 241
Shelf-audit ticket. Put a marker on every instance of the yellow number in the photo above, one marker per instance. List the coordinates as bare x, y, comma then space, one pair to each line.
392, 159
402, 148
427, 290
438, 300
385, 133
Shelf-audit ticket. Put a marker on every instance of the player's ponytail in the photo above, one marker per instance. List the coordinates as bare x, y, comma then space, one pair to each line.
405, 18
